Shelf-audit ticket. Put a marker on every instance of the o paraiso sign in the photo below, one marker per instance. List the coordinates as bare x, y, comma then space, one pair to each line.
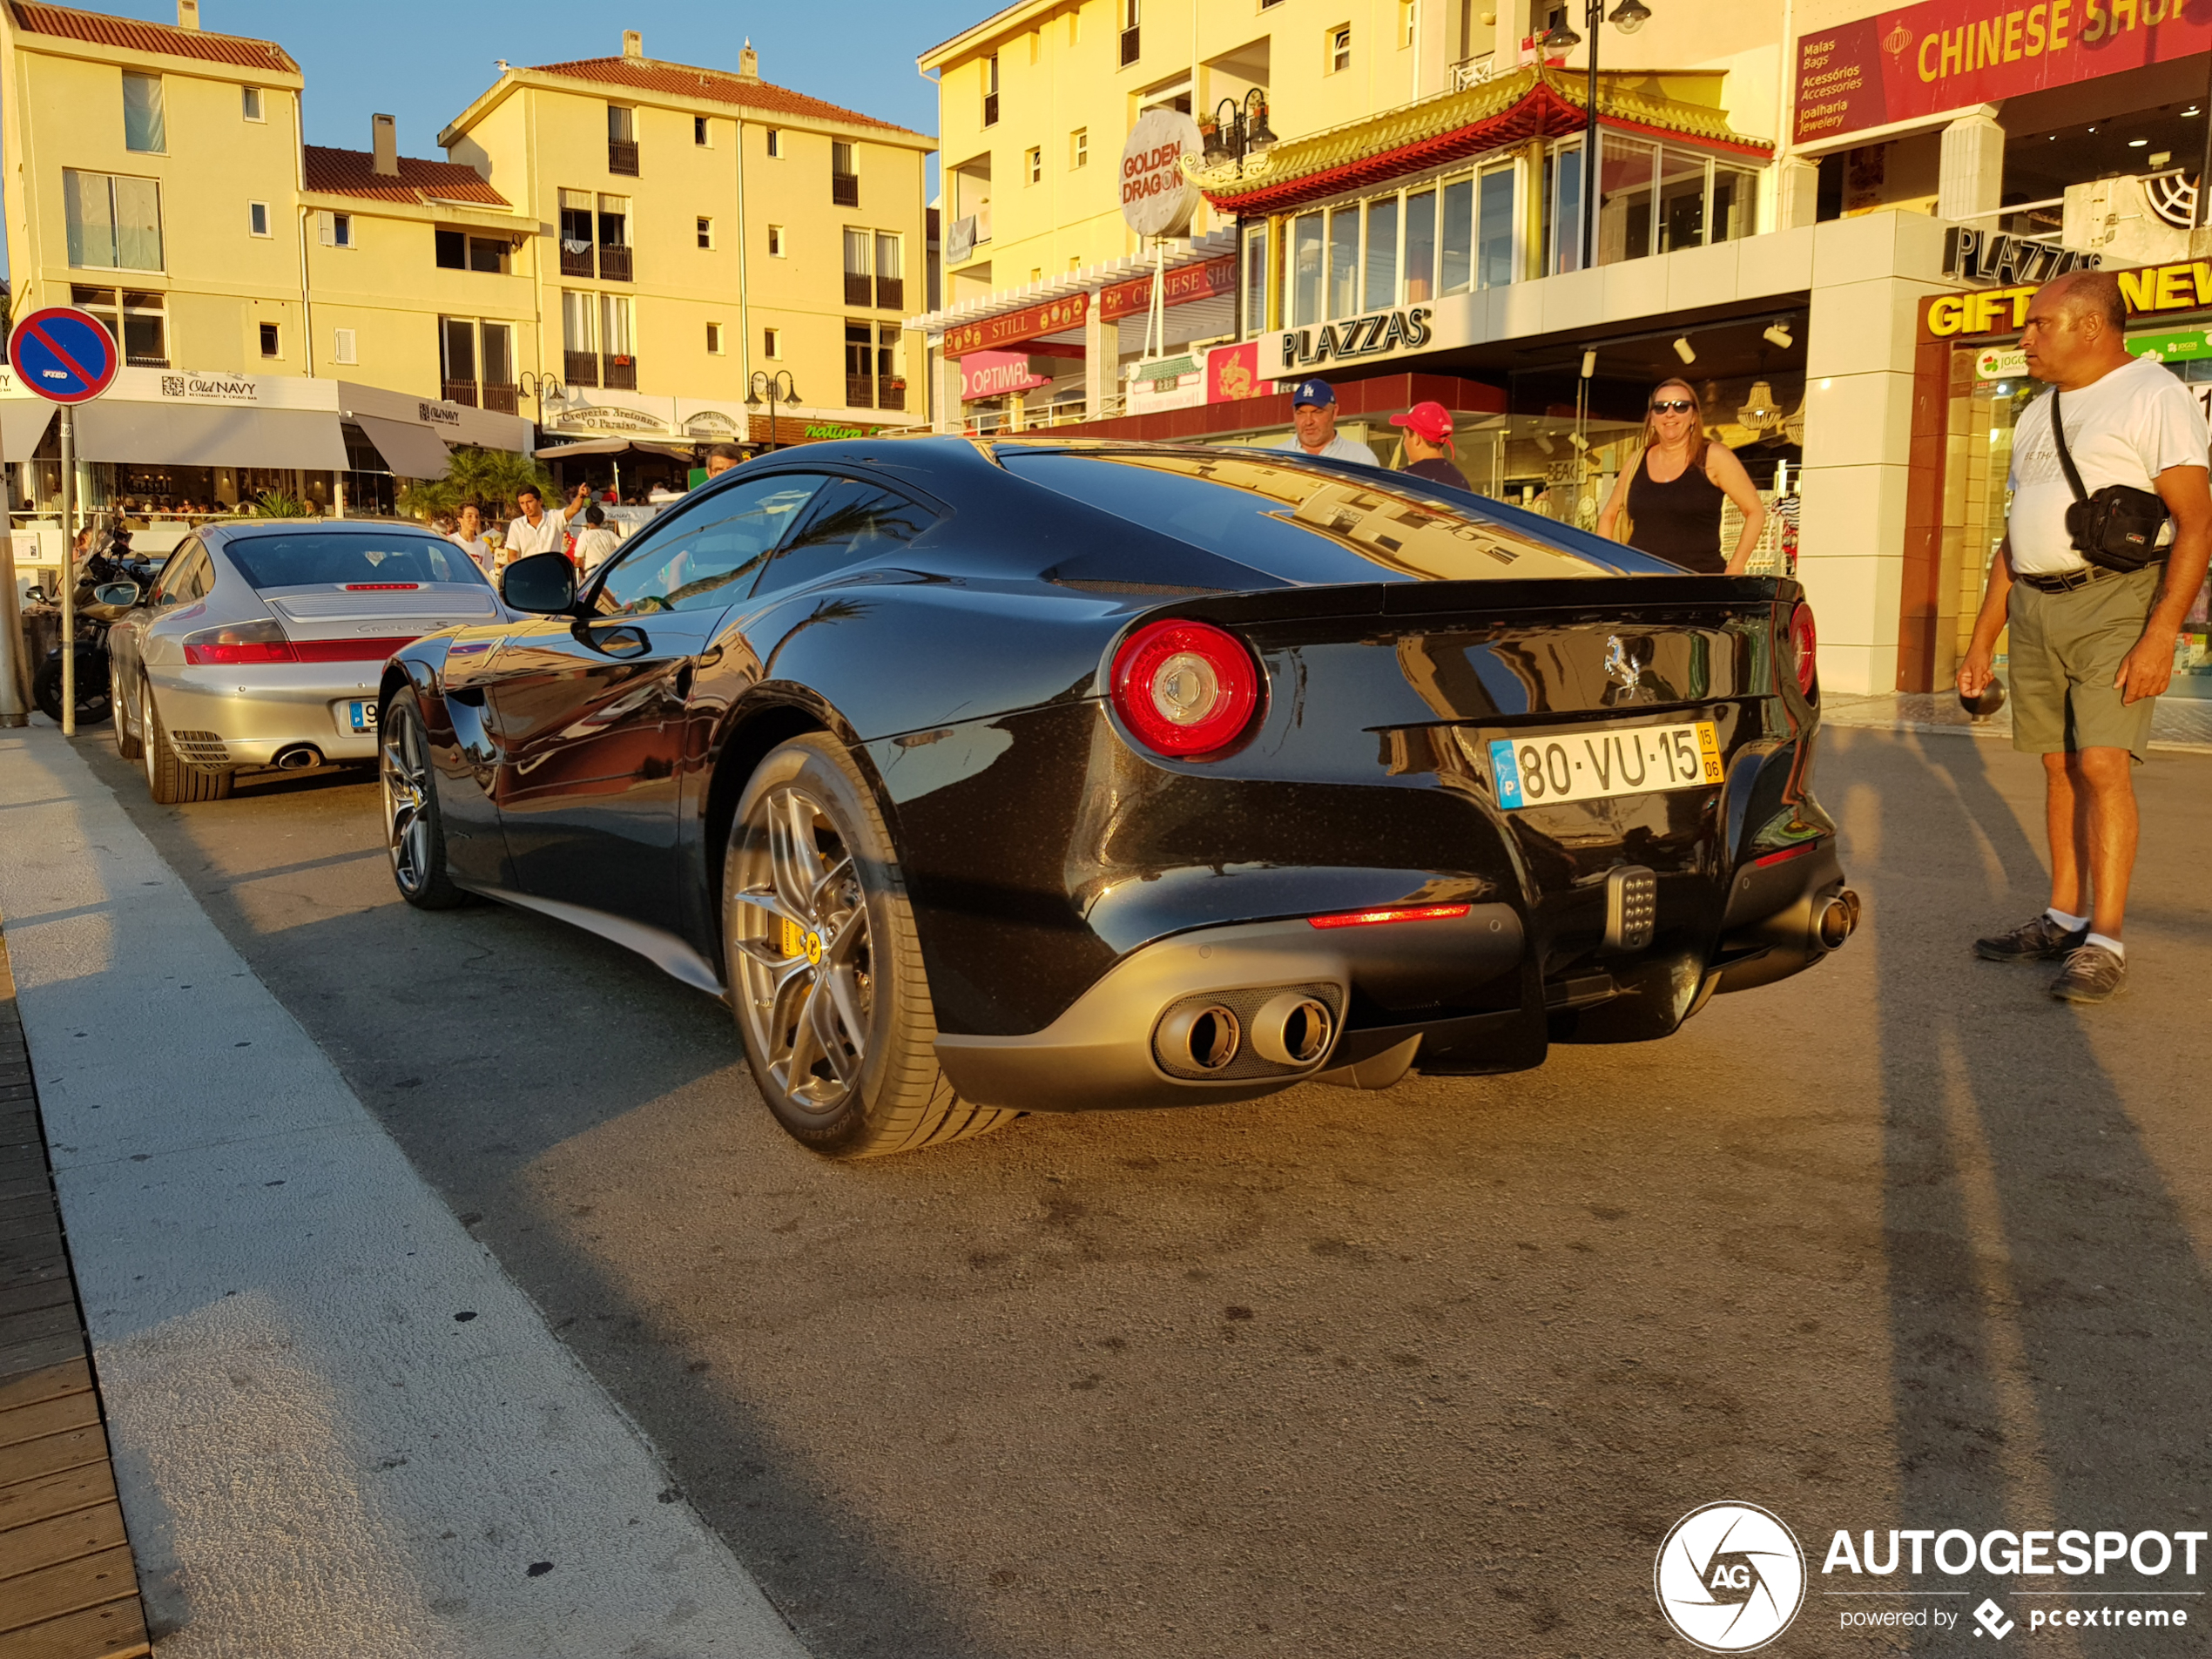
1157, 197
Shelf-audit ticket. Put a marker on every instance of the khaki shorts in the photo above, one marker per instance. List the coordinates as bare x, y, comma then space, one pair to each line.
2067, 649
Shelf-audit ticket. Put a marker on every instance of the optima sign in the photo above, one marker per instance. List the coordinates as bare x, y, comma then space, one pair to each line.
1941, 55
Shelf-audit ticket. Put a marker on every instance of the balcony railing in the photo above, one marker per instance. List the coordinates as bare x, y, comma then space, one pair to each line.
893, 396
621, 375
844, 188
622, 156
859, 290
576, 261
500, 400
1473, 71
891, 293
859, 391
614, 263
459, 391
1129, 47
135, 360
580, 368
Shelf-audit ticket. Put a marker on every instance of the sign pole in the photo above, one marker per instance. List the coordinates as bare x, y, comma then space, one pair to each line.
68, 570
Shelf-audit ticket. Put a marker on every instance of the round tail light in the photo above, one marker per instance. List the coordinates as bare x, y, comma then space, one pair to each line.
1185, 688
1804, 645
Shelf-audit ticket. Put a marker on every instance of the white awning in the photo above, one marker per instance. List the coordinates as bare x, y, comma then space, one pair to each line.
409, 450
613, 447
23, 426
197, 435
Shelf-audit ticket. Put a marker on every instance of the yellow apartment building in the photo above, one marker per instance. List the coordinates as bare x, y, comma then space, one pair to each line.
695, 228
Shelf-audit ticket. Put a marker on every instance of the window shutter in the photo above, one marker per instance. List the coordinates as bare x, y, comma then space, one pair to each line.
326, 229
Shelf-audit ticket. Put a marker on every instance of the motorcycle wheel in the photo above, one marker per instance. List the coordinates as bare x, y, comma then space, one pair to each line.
92, 690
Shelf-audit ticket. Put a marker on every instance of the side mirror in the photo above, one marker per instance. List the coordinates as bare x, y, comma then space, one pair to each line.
118, 593
544, 583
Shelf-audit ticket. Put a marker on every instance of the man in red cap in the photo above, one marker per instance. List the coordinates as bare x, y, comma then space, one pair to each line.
1428, 443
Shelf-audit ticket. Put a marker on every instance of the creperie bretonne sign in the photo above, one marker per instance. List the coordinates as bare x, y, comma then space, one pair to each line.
2154, 288
1941, 55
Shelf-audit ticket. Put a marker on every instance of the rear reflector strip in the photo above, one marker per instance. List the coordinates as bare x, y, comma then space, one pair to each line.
349, 651
381, 587
1786, 852
1404, 913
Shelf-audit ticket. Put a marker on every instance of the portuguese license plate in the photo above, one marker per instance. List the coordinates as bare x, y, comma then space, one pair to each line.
362, 714
1587, 766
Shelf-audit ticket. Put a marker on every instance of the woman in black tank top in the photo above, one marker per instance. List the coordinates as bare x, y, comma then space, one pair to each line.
1674, 492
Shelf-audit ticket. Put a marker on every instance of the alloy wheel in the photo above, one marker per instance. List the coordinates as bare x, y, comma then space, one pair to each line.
805, 971
405, 771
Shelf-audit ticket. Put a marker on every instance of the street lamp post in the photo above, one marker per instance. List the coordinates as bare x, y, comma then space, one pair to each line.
551, 395
780, 386
1628, 17
1242, 132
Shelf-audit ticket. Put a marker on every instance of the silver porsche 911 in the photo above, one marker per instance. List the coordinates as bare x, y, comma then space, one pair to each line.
261, 644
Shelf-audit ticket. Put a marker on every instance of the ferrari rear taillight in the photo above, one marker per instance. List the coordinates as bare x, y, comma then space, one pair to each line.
1389, 914
1804, 648
239, 642
1186, 689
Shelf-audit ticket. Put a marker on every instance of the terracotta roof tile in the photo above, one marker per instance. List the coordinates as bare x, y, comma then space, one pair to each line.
352, 172
682, 80
100, 30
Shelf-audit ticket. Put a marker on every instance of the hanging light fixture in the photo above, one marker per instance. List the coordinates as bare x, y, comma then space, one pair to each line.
1762, 413
1630, 16
1793, 428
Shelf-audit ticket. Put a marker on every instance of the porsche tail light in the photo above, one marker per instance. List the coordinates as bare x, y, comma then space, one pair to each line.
366, 649
1804, 649
1187, 689
239, 642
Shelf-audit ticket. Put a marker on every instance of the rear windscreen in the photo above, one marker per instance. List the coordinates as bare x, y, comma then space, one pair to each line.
312, 558
1317, 526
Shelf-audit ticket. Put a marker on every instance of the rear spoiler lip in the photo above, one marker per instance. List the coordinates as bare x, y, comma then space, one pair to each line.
1591, 600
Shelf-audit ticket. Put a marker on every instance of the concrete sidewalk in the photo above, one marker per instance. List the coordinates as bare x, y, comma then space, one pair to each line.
338, 1426
2181, 724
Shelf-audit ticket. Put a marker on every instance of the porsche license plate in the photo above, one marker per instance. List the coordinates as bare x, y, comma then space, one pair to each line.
1585, 766
361, 715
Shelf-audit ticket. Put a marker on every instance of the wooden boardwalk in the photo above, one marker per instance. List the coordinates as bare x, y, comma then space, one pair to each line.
67, 1587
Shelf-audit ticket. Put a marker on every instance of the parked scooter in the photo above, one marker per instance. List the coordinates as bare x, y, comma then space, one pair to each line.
112, 563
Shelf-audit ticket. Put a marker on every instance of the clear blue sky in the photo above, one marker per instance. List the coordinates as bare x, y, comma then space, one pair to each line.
422, 61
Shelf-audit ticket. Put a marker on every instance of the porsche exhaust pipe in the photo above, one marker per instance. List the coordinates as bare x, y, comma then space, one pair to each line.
297, 758
1202, 1038
1838, 919
1293, 1029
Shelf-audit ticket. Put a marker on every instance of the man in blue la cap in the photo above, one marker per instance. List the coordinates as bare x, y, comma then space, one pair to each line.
1313, 426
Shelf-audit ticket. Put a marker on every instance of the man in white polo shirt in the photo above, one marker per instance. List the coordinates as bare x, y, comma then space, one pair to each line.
537, 531
2092, 646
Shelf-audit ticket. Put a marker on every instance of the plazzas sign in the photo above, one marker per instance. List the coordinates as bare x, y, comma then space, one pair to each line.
1920, 60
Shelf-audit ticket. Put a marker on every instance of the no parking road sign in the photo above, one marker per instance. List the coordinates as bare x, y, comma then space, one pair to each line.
63, 354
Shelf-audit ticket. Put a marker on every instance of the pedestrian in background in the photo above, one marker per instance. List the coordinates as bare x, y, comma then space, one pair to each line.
595, 541
1313, 426
469, 536
1428, 444
721, 458
1673, 492
2093, 615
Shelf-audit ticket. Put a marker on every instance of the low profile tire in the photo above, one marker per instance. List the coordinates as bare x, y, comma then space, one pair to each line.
172, 780
415, 833
826, 972
128, 744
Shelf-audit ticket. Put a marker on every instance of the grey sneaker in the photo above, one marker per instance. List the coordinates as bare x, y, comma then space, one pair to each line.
2091, 974
2040, 940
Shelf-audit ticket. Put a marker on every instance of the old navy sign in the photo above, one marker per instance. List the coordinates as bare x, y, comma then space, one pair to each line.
1370, 336
1922, 60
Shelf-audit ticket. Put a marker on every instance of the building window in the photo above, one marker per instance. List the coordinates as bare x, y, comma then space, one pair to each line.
1129, 39
579, 338
706, 231
617, 319
458, 251
257, 217
844, 176
772, 344
457, 359
614, 240
271, 345
1033, 163
775, 144
699, 129
621, 140
144, 128
1256, 278
991, 91
1079, 147
714, 339
336, 229
859, 365
890, 273
1339, 49
1405, 23
251, 100
138, 323
342, 347
859, 286
775, 241
577, 233
113, 223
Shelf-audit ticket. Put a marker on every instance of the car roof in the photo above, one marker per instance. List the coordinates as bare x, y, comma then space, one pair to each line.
292, 526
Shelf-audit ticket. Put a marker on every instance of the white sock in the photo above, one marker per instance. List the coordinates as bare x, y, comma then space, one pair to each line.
2071, 924
2109, 943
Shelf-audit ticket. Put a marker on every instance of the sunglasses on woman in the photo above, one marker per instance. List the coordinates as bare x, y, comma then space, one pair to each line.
1673, 406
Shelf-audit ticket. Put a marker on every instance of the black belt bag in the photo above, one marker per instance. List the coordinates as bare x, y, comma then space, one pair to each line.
2118, 528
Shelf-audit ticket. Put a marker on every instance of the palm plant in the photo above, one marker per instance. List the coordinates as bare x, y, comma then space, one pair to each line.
491, 476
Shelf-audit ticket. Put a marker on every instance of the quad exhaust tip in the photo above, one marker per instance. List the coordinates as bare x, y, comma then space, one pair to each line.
1293, 1029
1838, 919
1204, 1037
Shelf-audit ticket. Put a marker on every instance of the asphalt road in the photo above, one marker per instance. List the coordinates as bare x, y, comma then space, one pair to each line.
1899, 1243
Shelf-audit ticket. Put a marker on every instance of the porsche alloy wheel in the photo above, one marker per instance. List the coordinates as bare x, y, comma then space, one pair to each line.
825, 970
414, 834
